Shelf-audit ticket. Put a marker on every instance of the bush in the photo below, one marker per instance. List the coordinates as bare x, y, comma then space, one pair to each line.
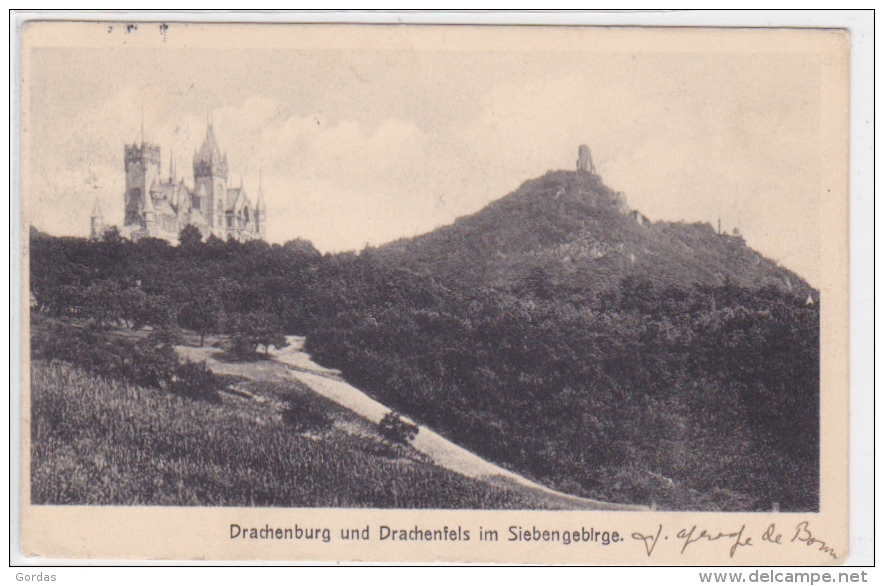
169, 334
253, 330
305, 415
148, 365
395, 429
195, 381
150, 362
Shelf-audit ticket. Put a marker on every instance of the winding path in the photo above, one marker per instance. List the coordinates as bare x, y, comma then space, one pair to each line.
441, 451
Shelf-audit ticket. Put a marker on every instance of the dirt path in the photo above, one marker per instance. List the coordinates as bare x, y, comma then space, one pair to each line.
292, 361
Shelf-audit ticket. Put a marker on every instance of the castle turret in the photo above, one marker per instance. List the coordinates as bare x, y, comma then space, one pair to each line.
260, 208
148, 213
584, 160
97, 223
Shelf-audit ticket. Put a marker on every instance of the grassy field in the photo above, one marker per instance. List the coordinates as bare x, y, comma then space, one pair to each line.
101, 441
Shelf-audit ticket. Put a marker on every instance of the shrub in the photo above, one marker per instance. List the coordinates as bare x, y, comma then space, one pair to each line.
148, 365
195, 381
305, 415
150, 362
395, 429
253, 330
169, 334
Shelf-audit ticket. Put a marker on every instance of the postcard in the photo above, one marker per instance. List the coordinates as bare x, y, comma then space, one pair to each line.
535, 294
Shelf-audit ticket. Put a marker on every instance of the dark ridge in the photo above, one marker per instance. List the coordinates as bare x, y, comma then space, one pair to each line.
584, 237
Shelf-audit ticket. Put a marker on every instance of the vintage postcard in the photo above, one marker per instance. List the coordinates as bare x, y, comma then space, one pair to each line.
434, 293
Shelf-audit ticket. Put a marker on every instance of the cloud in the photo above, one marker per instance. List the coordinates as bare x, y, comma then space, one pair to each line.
694, 137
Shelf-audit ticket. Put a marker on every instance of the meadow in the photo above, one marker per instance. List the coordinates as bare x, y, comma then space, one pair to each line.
101, 441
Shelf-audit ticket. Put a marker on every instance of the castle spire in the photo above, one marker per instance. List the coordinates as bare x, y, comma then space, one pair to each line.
96, 210
142, 124
171, 165
208, 160
148, 203
261, 207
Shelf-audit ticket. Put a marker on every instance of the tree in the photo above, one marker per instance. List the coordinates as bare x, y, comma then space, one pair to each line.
190, 236
202, 312
140, 309
112, 236
257, 329
396, 429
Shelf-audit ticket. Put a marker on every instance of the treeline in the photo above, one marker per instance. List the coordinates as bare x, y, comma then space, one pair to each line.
692, 397
715, 390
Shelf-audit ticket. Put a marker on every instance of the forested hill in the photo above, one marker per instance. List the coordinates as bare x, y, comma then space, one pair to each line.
551, 333
569, 232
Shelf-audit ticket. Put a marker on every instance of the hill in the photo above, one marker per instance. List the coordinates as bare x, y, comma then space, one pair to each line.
568, 231
101, 440
551, 333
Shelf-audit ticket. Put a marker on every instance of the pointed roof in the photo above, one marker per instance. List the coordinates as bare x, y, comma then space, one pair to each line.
242, 201
209, 151
260, 207
209, 160
148, 204
96, 210
172, 193
237, 198
183, 197
163, 208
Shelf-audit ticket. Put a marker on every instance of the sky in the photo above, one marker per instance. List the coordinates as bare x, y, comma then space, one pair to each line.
360, 146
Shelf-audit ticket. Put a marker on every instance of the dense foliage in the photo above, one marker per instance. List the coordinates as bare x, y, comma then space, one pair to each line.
149, 361
718, 393
101, 441
692, 396
396, 429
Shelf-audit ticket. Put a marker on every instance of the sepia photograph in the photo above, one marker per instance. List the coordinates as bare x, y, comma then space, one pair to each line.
339, 267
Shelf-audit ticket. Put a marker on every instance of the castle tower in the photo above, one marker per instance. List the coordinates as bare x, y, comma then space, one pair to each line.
260, 209
210, 178
584, 160
96, 223
142, 163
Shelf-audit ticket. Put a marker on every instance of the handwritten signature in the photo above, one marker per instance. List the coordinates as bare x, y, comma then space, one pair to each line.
737, 539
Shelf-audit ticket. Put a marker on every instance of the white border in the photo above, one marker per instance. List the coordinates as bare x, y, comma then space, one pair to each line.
861, 27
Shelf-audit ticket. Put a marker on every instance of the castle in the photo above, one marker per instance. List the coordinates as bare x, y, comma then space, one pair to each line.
160, 207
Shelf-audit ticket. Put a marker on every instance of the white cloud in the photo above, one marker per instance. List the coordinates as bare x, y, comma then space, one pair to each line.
359, 166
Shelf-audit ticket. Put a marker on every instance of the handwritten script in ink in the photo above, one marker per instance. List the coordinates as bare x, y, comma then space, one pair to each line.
730, 540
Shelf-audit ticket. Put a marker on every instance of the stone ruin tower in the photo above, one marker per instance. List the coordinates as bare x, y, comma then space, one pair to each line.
584, 160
